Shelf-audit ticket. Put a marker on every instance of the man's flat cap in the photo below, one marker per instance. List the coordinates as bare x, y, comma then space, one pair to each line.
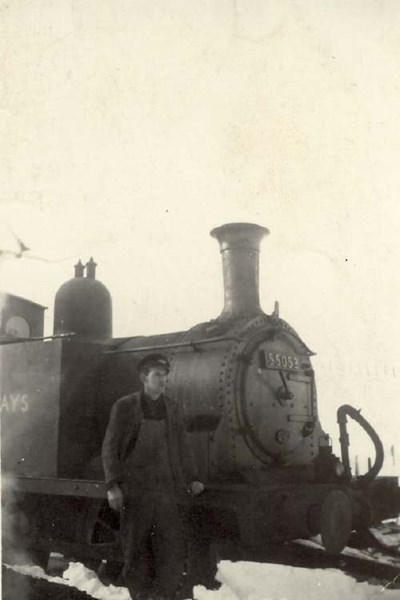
153, 360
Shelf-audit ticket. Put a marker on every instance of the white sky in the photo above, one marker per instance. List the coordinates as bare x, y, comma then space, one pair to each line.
130, 128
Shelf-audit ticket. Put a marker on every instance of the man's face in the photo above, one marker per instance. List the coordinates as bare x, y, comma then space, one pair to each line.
155, 381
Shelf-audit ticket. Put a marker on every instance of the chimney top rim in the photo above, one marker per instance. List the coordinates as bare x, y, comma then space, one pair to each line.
237, 228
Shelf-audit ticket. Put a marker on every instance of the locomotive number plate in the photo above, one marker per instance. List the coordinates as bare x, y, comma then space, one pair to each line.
275, 360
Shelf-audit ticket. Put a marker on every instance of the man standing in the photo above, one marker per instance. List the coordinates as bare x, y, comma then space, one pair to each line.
147, 461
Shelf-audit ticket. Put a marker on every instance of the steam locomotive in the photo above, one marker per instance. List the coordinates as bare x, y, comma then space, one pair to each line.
247, 388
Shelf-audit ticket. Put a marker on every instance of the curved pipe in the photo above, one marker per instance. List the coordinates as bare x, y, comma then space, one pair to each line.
347, 410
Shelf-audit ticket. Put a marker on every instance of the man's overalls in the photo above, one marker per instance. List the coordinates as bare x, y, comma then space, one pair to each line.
151, 531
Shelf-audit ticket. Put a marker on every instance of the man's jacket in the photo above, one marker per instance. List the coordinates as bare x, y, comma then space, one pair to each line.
122, 432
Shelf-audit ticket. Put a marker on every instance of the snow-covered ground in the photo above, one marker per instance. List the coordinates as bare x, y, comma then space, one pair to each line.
255, 581
241, 581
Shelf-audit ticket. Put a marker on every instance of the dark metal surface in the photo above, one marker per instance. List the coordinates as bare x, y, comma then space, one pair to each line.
175, 345
30, 375
336, 521
54, 486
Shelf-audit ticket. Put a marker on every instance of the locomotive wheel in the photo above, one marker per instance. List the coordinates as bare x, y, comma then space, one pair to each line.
336, 521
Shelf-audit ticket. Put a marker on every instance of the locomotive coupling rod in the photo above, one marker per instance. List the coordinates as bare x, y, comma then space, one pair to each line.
188, 344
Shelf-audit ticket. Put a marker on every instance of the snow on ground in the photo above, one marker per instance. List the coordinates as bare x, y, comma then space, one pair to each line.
241, 581
255, 581
80, 577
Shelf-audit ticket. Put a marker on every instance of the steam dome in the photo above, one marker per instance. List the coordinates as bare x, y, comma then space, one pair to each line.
83, 305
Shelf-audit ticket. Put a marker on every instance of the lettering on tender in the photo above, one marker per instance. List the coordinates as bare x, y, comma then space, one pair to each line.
14, 403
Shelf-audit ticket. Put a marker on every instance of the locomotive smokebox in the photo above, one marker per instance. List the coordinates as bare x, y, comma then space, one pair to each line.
240, 249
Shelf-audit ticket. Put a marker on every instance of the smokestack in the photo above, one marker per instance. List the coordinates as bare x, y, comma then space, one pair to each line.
240, 249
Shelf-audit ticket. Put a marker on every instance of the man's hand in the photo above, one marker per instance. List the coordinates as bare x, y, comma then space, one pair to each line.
115, 497
195, 488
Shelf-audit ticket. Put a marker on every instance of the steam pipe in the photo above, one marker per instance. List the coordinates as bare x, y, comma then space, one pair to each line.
347, 410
